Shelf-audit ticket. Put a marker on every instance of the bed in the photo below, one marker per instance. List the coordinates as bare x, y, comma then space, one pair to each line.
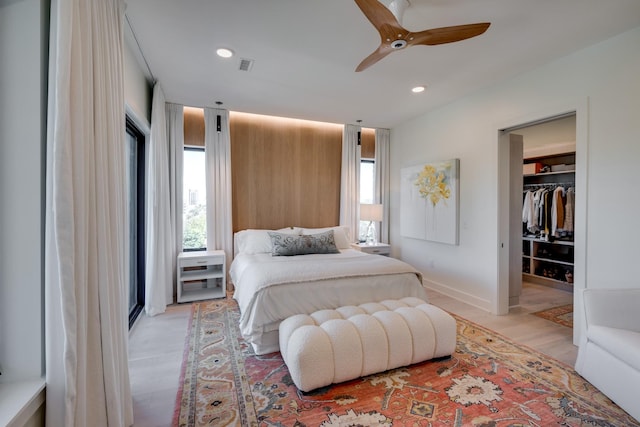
270, 288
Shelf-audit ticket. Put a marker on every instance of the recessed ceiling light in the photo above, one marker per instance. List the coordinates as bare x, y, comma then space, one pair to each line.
224, 53
418, 89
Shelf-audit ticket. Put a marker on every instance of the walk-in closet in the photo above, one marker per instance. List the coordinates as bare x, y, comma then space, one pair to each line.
548, 209
548, 218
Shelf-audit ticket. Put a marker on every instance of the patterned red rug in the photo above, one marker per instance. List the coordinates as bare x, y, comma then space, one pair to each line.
490, 381
562, 315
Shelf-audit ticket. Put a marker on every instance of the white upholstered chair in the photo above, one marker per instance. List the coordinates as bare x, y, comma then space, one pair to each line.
609, 353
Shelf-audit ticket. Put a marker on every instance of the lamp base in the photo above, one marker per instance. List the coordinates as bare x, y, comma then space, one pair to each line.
371, 234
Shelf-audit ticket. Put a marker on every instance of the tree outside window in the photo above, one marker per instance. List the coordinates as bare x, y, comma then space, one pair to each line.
367, 190
194, 195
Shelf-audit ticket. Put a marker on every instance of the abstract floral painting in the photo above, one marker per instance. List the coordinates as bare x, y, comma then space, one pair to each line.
429, 201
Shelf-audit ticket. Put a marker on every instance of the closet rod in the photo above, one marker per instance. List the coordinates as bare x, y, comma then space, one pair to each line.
554, 184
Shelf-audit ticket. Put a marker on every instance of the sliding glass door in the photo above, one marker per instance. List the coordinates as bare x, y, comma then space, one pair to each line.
135, 185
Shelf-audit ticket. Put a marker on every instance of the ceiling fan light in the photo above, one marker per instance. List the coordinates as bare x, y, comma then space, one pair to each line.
224, 52
398, 44
418, 89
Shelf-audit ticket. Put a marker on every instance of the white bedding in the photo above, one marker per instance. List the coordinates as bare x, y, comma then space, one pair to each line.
271, 288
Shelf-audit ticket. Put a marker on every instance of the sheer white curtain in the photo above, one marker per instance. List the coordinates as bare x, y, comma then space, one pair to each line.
382, 180
161, 249
350, 181
86, 305
217, 146
175, 137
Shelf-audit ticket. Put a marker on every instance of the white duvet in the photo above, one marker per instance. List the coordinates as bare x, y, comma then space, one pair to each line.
271, 288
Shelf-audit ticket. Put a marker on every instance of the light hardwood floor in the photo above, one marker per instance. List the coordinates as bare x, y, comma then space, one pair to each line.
156, 345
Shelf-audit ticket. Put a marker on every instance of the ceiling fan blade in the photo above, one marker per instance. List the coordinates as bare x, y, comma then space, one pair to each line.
376, 56
443, 35
394, 37
386, 24
378, 14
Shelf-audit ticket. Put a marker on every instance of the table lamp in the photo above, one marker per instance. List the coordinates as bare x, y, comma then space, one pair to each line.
371, 213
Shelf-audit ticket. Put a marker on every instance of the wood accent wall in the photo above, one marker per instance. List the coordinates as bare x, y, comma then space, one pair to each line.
285, 172
193, 126
368, 143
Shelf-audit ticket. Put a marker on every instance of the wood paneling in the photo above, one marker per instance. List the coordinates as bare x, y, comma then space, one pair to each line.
193, 126
368, 143
285, 172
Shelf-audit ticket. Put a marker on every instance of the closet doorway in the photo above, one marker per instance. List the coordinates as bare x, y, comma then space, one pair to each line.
540, 155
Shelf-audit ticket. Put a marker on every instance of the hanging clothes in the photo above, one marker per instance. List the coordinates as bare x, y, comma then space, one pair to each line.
569, 210
541, 192
527, 210
548, 211
557, 211
536, 212
545, 212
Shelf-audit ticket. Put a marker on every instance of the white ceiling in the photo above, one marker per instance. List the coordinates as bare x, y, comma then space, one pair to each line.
306, 51
553, 132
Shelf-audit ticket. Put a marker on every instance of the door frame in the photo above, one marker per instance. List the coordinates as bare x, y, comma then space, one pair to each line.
141, 125
504, 232
510, 182
140, 221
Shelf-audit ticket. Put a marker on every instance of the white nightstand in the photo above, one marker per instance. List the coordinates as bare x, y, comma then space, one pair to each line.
201, 275
377, 249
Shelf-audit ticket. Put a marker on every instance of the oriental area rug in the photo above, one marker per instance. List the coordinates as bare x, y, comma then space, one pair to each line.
562, 315
489, 381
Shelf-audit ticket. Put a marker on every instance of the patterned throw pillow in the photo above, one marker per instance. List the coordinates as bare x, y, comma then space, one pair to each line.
288, 244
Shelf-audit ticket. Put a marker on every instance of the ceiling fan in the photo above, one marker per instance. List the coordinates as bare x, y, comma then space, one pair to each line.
394, 37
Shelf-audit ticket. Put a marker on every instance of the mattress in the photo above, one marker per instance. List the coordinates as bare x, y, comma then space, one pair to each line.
269, 289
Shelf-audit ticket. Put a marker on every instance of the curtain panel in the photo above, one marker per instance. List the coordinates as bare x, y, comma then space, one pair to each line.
86, 256
161, 235
350, 181
217, 146
382, 181
175, 136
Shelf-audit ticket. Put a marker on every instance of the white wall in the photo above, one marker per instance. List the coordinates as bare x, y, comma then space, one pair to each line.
137, 91
23, 66
605, 77
22, 130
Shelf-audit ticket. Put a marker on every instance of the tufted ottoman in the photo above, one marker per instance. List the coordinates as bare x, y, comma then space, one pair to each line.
332, 346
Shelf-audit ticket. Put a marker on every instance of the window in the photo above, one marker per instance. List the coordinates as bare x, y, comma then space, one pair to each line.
135, 184
367, 190
194, 195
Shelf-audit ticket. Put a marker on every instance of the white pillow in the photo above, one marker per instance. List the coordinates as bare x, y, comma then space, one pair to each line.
257, 241
340, 235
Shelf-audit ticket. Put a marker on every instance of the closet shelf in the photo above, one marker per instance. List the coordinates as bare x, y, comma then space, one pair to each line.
555, 242
555, 261
550, 173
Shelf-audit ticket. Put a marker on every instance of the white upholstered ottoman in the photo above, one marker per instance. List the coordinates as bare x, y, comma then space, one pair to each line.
332, 346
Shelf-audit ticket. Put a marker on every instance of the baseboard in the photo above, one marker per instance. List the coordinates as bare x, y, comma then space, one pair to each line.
465, 297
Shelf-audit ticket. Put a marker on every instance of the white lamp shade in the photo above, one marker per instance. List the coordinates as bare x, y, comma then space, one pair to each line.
371, 212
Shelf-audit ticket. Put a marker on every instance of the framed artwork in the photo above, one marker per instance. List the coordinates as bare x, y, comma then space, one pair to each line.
429, 198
